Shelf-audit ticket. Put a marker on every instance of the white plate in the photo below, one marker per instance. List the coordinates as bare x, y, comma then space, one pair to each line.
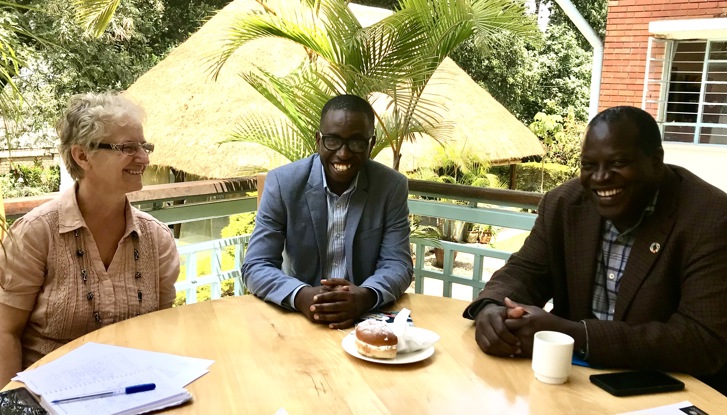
349, 345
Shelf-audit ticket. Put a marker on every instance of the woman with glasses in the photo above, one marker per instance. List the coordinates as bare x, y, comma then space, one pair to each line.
88, 258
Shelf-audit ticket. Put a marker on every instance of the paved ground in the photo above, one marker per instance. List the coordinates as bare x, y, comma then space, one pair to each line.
463, 267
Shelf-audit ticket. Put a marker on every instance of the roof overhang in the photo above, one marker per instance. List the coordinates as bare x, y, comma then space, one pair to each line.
715, 28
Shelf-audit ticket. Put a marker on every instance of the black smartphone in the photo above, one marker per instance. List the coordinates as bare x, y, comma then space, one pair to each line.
20, 402
636, 382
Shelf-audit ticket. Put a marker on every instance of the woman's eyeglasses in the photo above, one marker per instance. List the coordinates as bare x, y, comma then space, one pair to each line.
129, 149
355, 145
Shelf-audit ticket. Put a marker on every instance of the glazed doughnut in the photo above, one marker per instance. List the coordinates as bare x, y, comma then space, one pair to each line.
375, 339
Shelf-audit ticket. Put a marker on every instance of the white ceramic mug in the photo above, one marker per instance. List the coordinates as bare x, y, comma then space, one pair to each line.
552, 356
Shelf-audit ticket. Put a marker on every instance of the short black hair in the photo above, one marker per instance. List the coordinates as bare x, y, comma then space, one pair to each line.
648, 135
351, 103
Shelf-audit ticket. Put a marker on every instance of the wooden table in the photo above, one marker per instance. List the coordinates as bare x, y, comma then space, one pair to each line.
267, 359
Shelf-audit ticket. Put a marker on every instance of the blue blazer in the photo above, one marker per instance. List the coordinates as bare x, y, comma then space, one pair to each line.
288, 245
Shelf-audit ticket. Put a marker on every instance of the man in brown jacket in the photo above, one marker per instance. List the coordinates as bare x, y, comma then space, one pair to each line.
634, 257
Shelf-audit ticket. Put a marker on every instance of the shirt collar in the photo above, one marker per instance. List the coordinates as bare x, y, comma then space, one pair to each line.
70, 217
350, 189
648, 211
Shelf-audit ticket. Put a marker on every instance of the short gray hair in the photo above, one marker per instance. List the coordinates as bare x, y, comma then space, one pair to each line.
88, 119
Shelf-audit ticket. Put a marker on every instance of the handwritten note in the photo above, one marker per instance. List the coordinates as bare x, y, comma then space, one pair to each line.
95, 367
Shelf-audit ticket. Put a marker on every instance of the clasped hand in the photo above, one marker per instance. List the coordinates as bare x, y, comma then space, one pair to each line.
508, 330
337, 302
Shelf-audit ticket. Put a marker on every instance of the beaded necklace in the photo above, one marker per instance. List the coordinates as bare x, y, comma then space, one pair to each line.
90, 295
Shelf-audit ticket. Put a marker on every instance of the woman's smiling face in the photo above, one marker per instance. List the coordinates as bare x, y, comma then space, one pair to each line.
113, 170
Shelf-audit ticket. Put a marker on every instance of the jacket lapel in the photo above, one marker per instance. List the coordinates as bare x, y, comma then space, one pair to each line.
651, 236
318, 208
355, 210
582, 256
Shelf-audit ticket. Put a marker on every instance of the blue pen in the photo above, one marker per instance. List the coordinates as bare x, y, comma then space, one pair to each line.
124, 391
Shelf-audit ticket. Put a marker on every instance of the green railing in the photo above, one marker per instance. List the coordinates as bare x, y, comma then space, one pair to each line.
190, 257
496, 207
178, 203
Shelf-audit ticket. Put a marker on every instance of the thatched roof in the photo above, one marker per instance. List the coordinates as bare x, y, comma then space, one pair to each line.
188, 113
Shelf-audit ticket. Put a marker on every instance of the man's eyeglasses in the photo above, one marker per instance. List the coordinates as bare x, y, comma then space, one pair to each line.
129, 149
334, 143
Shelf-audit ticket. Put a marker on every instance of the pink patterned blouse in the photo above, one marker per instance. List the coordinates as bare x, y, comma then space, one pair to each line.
40, 271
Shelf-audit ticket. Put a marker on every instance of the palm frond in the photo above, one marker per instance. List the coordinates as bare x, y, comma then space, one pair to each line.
95, 15
275, 134
493, 17
11, 29
392, 132
17, 6
321, 34
392, 61
300, 96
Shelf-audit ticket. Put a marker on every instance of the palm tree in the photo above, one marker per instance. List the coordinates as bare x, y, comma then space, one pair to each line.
390, 63
95, 15
11, 29
10, 63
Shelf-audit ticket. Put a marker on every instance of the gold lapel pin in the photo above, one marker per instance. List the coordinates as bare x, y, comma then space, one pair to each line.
655, 247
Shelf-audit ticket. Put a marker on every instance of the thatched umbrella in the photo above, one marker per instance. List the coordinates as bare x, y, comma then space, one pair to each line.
188, 113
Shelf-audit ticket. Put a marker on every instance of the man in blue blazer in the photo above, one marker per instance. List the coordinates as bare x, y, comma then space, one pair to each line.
331, 237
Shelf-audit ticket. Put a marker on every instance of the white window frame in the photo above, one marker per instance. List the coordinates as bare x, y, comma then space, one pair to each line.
666, 34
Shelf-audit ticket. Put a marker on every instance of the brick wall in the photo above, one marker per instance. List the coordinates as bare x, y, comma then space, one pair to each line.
627, 34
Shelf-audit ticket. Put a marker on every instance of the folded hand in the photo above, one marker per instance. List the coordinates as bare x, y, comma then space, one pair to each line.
492, 335
339, 302
533, 319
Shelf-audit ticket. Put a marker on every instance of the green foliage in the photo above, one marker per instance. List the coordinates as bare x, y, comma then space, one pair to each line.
95, 15
424, 231
204, 267
204, 293
390, 62
180, 299
30, 180
450, 165
509, 72
530, 175
594, 11
174, 20
140, 34
13, 29
565, 73
562, 139
241, 224
548, 128
528, 78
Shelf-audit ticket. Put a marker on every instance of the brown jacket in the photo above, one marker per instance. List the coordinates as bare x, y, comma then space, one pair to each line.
671, 311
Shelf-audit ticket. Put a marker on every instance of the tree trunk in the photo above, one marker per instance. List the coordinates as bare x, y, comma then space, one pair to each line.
396, 159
